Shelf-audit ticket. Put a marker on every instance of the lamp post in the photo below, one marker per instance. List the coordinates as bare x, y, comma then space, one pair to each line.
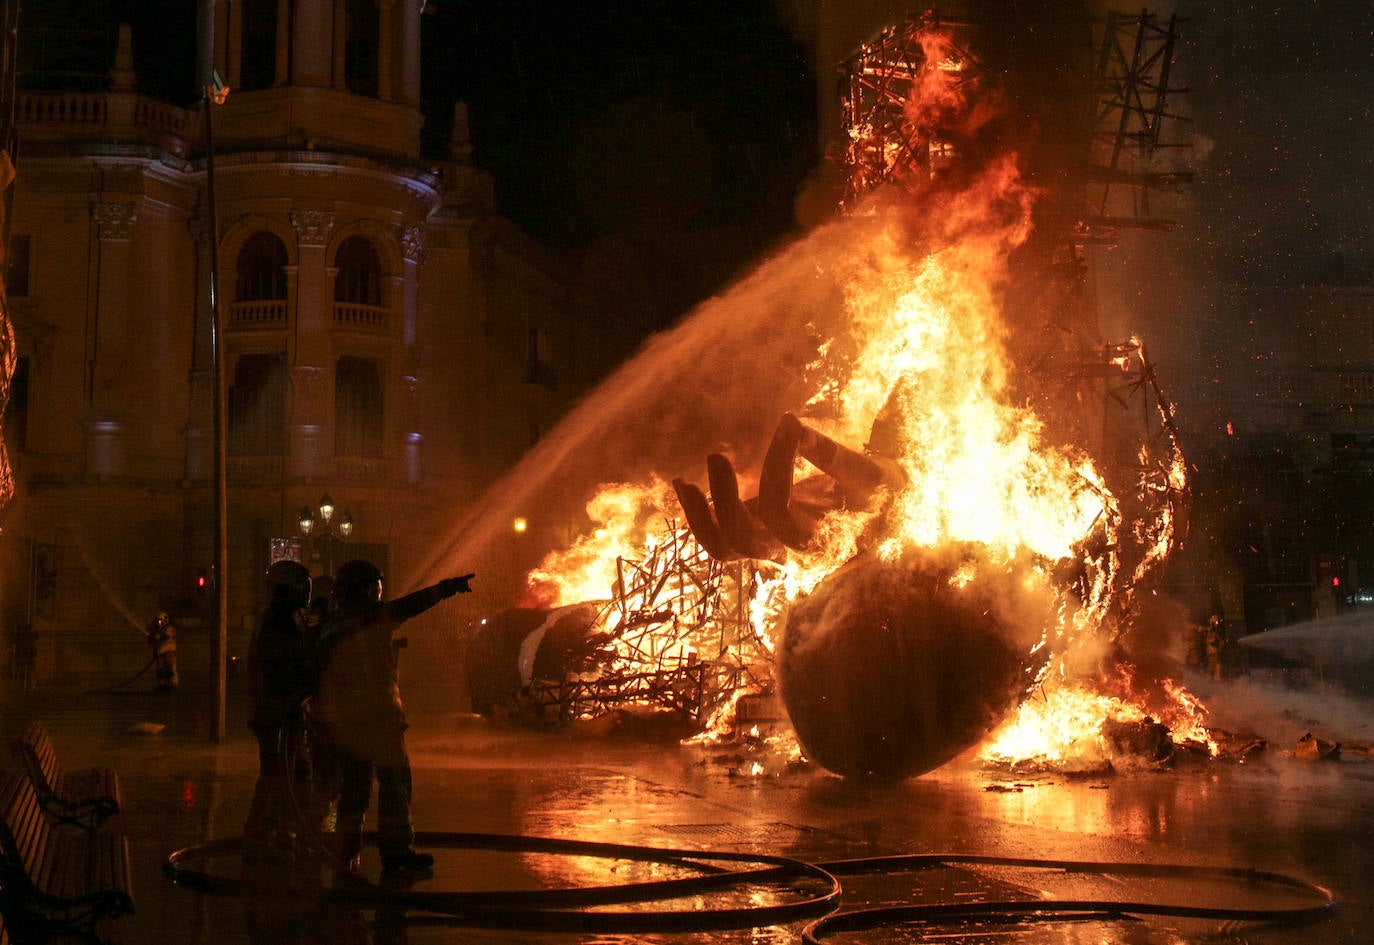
320, 542
214, 93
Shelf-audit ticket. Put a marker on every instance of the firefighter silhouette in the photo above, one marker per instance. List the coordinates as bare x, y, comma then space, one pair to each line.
162, 637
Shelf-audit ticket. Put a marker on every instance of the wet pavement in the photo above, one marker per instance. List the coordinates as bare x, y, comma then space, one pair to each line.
1311, 820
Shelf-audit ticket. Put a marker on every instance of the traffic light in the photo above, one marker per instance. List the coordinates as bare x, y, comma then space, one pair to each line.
204, 582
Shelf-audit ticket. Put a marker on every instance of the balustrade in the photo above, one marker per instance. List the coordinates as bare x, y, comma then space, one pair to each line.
360, 317
258, 313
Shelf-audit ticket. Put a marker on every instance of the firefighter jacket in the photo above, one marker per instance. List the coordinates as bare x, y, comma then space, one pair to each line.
162, 637
281, 666
358, 684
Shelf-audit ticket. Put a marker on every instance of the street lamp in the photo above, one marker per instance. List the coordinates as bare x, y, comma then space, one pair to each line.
331, 530
214, 92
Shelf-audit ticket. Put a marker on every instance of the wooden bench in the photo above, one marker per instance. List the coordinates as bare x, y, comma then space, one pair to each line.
86, 797
57, 880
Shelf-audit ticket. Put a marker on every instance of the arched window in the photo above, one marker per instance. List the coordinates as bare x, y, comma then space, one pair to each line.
362, 30
257, 406
358, 408
261, 269
258, 66
359, 278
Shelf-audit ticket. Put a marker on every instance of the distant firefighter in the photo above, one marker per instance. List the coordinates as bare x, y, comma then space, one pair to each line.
162, 637
1215, 645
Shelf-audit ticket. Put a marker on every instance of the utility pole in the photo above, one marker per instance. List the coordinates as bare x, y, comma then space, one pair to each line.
215, 92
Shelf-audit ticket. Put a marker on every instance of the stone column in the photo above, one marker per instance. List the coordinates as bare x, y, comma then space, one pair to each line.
307, 456
410, 54
281, 71
413, 247
384, 52
340, 40
394, 301
292, 274
312, 420
411, 437
408, 416
315, 23
106, 424
199, 432
106, 446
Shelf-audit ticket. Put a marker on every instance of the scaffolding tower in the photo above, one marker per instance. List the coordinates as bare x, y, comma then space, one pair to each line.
1118, 116
1131, 121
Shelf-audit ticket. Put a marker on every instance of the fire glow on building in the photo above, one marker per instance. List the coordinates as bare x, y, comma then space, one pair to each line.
953, 533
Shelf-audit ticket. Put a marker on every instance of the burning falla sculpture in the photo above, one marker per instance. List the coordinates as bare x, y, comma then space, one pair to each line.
784, 514
908, 595
893, 669
890, 666
930, 625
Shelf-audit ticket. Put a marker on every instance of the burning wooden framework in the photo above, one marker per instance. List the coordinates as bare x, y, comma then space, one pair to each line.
1124, 95
1129, 91
884, 143
678, 638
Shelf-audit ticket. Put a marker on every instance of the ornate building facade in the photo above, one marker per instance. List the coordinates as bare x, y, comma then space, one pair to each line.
388, 342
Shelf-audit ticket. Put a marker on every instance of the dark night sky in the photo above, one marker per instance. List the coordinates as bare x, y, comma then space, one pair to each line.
1283, 97
704, 119
597, 116
591, 117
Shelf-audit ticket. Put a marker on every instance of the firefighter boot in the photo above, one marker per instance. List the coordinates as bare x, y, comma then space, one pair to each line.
348, 850
407, 861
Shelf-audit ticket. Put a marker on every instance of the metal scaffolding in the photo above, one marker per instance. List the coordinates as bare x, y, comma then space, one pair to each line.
677, 637
1132, 89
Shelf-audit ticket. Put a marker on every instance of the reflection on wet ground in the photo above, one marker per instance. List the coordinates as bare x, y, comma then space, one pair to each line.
1274, 813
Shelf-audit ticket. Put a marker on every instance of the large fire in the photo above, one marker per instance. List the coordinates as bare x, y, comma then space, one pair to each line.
963, 592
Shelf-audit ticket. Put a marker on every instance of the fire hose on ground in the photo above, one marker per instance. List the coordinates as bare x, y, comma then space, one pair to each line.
127, 682
817, 887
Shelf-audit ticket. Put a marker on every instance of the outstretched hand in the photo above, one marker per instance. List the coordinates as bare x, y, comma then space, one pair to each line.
456, 585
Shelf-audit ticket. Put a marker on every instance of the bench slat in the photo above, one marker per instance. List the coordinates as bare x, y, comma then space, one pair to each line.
85, 797
73, 879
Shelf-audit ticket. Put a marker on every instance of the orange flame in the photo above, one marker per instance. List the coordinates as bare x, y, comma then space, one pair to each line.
921, 372
1065, 725
627, 519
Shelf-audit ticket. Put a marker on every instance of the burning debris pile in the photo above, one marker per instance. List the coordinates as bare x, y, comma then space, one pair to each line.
959, 512
677, 637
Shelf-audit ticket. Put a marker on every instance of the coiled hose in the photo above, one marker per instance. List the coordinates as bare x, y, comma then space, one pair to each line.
814, 887
815, 891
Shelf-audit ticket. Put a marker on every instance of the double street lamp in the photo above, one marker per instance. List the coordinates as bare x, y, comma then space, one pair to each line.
331, 530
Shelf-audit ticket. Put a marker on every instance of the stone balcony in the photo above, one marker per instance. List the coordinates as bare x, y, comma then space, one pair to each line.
101, 117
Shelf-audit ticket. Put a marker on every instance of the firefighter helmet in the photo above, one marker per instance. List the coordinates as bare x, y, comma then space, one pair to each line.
289, 581
358, 581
